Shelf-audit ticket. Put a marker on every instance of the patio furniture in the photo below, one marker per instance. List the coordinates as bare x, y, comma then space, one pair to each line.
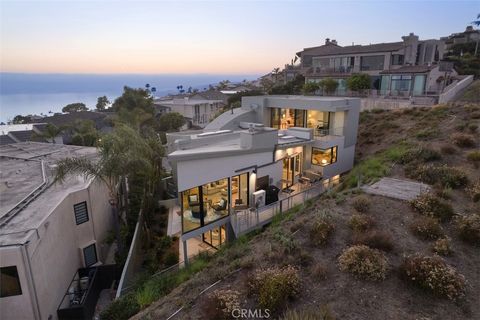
221, 205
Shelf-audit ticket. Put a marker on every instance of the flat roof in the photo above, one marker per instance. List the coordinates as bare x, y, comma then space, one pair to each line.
21, 173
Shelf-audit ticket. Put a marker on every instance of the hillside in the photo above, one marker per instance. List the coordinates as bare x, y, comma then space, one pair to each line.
299, 267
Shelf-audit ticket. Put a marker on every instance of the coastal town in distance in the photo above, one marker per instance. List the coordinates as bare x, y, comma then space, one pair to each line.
239, 160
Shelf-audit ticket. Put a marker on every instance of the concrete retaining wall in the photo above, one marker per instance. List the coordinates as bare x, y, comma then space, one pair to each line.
452, 92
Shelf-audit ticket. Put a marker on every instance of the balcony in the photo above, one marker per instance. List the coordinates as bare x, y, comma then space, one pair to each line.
324, 133
326, 71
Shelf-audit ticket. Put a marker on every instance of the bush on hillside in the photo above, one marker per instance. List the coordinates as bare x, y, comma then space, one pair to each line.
468, 228
474, 191
446, 176
463, 140
275, 286
376, 239
448, 149
429, 205
442, 247
474, 157
324, 313
121, 309
360, 222
361, 203
427, 228
220, 304
319, 272
364, 262
434, 275
321, 231
421, 154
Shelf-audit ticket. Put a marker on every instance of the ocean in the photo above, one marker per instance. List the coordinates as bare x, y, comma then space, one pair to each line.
44, 94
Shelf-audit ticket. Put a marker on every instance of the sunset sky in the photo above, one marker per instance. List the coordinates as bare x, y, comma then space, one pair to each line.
203, 37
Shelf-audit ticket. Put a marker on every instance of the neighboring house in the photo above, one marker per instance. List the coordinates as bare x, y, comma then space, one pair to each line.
209, 95
339, 62
468, 36
197, 112
48, 232
14, 133
270, 142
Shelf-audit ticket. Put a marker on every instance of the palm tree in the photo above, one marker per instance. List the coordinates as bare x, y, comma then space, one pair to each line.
121, 154
275, 72
477, 22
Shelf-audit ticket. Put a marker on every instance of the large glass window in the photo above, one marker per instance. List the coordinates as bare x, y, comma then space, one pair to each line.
343, 64
215, 237
240, 190
419, 85
9, 282
319, 121
401, 83
371, 63
204, 204
286, 118
397, 59
324, 157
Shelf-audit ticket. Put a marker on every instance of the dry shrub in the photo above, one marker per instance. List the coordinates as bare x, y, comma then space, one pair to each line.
376, 239
275, 286
420, 154
321, 231
463, 140
446, 176
474, 191
448, 149
220, 304
427, 228
364, 262
442, 247
468, 228
361, 222
429, 205
319, 272
474, 157
472, 128
433, 274
361, 203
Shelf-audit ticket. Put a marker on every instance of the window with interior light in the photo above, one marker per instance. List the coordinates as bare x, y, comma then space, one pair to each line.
324, 157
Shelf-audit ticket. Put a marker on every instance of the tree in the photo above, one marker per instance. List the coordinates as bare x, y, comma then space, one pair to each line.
75, 107
86, 133
222, 85
134, 99
19, 119
102, 103
275, 73
310, 87
122, 154
267, 84
51, 132
477, 22
171, 121
328, 85
359, 81
237, 97
291, 87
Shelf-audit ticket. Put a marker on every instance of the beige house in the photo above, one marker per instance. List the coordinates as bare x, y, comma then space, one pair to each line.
48, 230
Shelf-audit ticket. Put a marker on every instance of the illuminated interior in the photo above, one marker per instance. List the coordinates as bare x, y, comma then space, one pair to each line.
324, 157
287, 118
240, 191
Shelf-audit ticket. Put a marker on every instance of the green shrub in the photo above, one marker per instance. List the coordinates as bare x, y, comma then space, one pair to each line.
468, 228
220, 304
275, 286
322, 231
420, 154
474, 156
433, 274
429, 205
474, 191
361, 203
427, 228
364, 262
442, 247
447, 176
463, 140
376, 239
121, 309
427, 134
360, 222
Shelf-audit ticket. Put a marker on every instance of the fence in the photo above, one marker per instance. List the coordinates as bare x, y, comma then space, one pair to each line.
248, 220
132, 264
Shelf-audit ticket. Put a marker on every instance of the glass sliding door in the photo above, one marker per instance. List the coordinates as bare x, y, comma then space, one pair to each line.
291, 169
204, 204
215, 237
419, 85
240, 191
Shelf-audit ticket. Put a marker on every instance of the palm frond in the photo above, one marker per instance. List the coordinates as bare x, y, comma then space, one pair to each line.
79, 166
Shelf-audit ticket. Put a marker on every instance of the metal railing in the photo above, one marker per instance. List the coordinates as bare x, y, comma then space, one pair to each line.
319, 132
244, 221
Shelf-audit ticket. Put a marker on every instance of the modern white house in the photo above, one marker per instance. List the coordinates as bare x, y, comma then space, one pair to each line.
49, 231
196, 110
250, 157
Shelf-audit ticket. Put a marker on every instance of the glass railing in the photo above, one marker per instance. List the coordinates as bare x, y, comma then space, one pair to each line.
323, 132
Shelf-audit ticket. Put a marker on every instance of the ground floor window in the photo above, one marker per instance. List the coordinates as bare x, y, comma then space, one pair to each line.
215, 237
324, 157
204, 204
9, 282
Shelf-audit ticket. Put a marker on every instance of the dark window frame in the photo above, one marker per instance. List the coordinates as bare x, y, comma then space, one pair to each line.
83, 203
18, 291
333, 156
85, 258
